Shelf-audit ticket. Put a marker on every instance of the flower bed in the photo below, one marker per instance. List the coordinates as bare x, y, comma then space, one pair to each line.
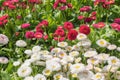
59, 40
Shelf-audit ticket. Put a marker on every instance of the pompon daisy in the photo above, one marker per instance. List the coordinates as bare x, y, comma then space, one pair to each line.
21, 43
28, 52
77, 60
111, 47
114, 61
76, 68
85, 75
61, 54
46, 57
3, 39
16, 63
74, 53
68, 58
29, 78
39, 77
102, 56
76, 48
44, 52
55, 50
40, 63
58, 76
36, 49
93, 61
24, 71
3, 60
63, 62
68, 48
89, 67
85, 43
118, 49
97, 69
47, 72
90, 53
81, 36
102, 43
53, 65
62, 44
110, 68
35, 57
98, 76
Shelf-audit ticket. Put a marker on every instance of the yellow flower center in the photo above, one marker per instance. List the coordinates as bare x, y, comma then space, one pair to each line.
98, 76
77, 67
93, 61
58, 76
23, 71
62, 54
81, 36
47, 72
102, 42
113, 61
74, 75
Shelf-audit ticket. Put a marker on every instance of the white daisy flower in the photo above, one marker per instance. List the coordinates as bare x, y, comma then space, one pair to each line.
97, 69
35, 57
89, 67
102, 43
90, 53
47, 57
98, 76
81, 36
118, 49
102, 56
40, 63
52, 65
16, 63
93, 61
36, 49
21, 43
76, 68
68, 48
74, 53
58, 76
62, 44
39, 77
111, 47
55, 50
47, 72
76, 48
61, 54
3, 39
63, 62
110, 68
77, 60
85, 75
44, 52
114, 61
28, 52
29, 78
85, 43
4, 60
24, 71
68, 58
